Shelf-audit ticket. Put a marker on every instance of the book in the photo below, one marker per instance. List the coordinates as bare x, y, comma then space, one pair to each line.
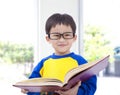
81, 73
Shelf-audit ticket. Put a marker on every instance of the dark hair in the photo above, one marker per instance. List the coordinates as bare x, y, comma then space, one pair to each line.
57, 18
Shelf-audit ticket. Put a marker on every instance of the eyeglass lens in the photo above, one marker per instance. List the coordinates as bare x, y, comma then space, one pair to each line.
56, 36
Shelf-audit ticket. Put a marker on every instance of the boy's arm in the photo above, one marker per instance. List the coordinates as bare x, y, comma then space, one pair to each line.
82, 88
72, 91
31, 93
35, 74
88, 87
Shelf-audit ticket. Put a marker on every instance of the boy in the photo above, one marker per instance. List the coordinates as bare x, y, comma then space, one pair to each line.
61, 34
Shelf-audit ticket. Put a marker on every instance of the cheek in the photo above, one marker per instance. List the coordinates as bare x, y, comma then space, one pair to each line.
71, 42
53, 43
49, 41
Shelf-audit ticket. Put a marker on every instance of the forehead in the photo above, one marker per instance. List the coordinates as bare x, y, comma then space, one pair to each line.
61, 28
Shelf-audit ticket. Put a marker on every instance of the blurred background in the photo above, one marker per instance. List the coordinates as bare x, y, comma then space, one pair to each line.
23, 45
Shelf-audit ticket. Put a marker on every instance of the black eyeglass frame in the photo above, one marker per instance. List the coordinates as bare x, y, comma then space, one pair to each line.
61, 35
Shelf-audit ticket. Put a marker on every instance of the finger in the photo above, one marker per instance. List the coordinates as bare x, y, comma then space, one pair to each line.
79, 83
59, 92
24, 91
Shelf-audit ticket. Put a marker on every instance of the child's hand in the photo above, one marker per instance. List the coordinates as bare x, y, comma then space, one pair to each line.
72, 91
24, 91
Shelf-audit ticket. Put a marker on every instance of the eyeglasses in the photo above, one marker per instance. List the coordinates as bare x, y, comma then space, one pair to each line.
57, 36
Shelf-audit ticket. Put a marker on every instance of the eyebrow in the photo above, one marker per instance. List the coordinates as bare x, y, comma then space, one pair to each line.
60, 33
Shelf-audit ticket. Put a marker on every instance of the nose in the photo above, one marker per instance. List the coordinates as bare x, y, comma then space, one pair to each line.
61, 38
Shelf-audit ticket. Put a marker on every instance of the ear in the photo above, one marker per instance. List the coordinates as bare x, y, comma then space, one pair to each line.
47, 39
75, 37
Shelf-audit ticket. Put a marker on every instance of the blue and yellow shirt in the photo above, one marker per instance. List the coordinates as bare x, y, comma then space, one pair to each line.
56, 66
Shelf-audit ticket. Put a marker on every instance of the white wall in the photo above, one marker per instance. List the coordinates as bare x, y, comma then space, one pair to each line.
17, 20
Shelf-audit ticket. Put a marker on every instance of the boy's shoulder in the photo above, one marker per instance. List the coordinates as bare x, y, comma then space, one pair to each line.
46, 58
79, 58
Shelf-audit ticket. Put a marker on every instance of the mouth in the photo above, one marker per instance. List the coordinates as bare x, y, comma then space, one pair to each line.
62, 45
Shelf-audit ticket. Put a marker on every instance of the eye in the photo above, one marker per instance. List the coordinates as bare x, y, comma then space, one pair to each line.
55, 35
68, 34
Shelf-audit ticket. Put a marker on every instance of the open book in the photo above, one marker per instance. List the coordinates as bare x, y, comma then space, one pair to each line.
80, 73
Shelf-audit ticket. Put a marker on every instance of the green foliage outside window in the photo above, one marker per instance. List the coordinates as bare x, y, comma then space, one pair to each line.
16, 53
96, 44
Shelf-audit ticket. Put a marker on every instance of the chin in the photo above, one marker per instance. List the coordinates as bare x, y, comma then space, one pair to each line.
63, 53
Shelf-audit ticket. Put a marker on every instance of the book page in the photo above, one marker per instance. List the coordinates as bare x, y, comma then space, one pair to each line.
39, 82
79, 69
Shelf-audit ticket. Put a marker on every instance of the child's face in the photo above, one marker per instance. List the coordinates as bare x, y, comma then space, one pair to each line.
61, 44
